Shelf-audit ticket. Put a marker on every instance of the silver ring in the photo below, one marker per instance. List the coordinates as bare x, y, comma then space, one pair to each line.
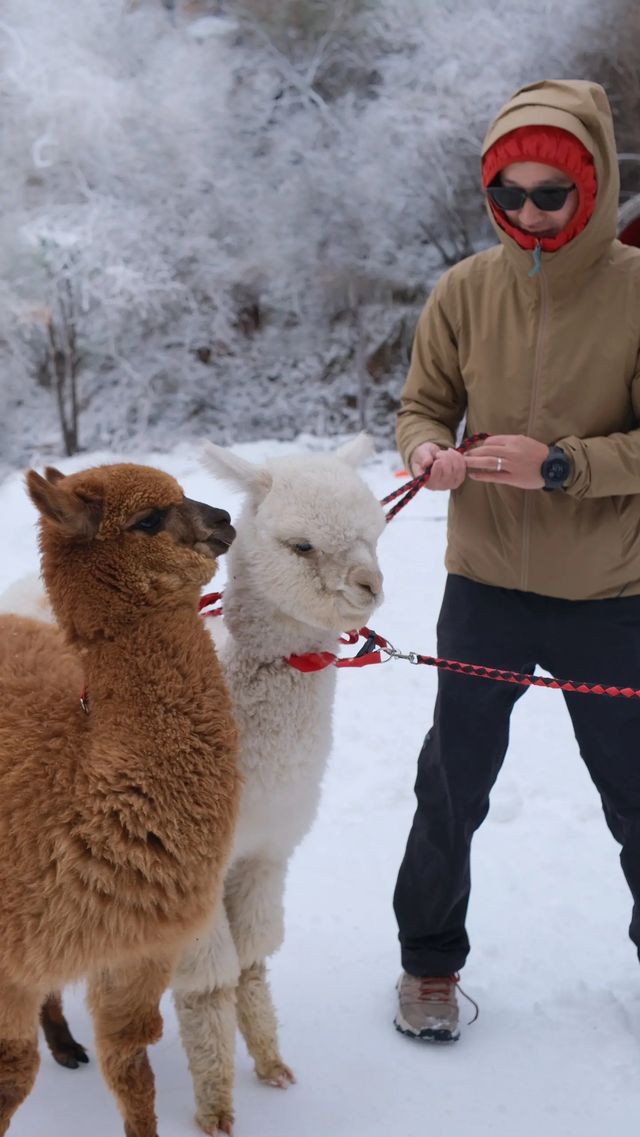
499, 465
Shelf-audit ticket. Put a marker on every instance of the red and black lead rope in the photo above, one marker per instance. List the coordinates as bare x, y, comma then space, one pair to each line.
409, 489
378, 650
523, 679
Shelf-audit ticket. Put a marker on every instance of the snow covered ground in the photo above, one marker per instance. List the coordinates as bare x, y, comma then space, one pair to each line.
556, 1048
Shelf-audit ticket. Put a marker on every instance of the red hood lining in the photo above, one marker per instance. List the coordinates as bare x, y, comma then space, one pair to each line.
553, 147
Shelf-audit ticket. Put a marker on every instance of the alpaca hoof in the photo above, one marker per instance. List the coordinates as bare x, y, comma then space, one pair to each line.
214, 1124
70, 1055
276, 1074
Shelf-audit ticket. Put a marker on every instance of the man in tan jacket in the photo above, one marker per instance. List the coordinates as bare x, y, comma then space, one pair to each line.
535, 341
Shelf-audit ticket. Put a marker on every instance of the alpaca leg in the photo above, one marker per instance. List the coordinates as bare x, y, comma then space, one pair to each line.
19, 1059
207, 1027
63, 1046
254, 902
124, 1003
259, 1025
204, 992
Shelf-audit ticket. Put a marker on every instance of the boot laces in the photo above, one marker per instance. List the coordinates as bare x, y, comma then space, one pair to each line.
441, 989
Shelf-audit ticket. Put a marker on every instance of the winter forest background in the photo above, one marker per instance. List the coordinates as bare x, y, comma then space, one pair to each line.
222, 217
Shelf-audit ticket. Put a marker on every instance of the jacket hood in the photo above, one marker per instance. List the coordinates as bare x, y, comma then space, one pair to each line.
581, 108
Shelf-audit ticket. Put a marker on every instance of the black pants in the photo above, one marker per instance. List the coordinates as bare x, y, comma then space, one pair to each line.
590, 640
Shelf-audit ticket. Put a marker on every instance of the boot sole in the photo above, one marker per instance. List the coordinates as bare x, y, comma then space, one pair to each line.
438, 1037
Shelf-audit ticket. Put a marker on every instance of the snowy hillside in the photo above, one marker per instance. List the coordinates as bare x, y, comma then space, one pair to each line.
228, 220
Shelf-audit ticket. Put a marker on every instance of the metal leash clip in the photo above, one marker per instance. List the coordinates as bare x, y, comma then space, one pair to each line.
393, 653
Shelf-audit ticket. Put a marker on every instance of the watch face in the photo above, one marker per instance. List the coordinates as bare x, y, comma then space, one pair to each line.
556, 470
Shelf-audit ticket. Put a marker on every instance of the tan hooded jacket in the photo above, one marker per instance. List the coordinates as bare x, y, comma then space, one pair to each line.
555, 356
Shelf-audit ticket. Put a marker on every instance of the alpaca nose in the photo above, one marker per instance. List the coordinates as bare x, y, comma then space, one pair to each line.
367, 578
213, 523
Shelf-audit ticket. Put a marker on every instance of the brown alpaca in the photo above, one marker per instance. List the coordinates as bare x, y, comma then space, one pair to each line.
115, 825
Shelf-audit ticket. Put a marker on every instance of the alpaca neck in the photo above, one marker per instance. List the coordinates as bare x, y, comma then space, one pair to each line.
142, 681
158, 745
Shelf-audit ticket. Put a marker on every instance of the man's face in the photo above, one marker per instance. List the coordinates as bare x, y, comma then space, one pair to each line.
530, 176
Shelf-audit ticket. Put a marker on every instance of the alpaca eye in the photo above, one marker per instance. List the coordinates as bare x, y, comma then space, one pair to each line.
152, 522
303, 547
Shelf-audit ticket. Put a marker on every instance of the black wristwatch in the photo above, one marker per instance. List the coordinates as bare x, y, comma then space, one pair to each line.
555, 469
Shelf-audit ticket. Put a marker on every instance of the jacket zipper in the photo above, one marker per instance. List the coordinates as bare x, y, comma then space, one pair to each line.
533, 408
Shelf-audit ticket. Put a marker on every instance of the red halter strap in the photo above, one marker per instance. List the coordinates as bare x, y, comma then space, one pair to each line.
207, 604
370, 652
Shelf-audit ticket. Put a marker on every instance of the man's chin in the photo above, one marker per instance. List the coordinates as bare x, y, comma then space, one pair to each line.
540, 236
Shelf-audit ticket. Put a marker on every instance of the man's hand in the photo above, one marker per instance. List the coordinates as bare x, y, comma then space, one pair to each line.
508, 460
447, 467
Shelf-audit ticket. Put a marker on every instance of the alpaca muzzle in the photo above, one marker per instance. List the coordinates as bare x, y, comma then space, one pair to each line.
367, 579
213, 528
361, 594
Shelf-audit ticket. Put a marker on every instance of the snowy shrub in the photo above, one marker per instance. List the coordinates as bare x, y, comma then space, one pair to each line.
613, 59
327, 45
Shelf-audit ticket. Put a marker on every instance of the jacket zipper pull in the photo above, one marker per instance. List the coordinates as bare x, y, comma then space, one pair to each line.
537, 260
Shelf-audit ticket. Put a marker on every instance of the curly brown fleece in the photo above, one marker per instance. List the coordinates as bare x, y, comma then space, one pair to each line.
115, 826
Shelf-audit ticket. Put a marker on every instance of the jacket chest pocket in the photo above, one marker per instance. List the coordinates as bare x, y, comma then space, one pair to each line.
497, 374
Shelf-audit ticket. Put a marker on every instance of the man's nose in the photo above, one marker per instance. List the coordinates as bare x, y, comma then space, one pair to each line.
529, 214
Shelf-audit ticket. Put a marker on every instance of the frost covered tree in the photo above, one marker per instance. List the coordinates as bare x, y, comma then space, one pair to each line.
224, 215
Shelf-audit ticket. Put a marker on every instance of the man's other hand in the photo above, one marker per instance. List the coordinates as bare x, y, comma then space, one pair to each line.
447, 467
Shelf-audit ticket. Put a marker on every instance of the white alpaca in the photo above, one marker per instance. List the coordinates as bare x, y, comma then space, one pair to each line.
301, 570
27, 597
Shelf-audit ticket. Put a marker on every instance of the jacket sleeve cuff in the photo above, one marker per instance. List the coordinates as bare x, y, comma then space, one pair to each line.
607, 466
580, 477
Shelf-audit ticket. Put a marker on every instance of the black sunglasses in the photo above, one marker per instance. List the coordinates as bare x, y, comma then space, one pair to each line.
548, 199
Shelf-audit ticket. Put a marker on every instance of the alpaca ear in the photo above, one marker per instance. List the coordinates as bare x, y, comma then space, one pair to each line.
357, 451
230, 467
52, 475
75, 515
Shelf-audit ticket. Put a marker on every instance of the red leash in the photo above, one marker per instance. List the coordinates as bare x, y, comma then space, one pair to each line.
378, 650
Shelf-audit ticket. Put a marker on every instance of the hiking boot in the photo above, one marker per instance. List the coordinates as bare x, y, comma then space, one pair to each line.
428, 1007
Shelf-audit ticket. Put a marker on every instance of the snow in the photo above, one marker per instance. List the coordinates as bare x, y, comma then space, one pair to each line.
555, 1049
